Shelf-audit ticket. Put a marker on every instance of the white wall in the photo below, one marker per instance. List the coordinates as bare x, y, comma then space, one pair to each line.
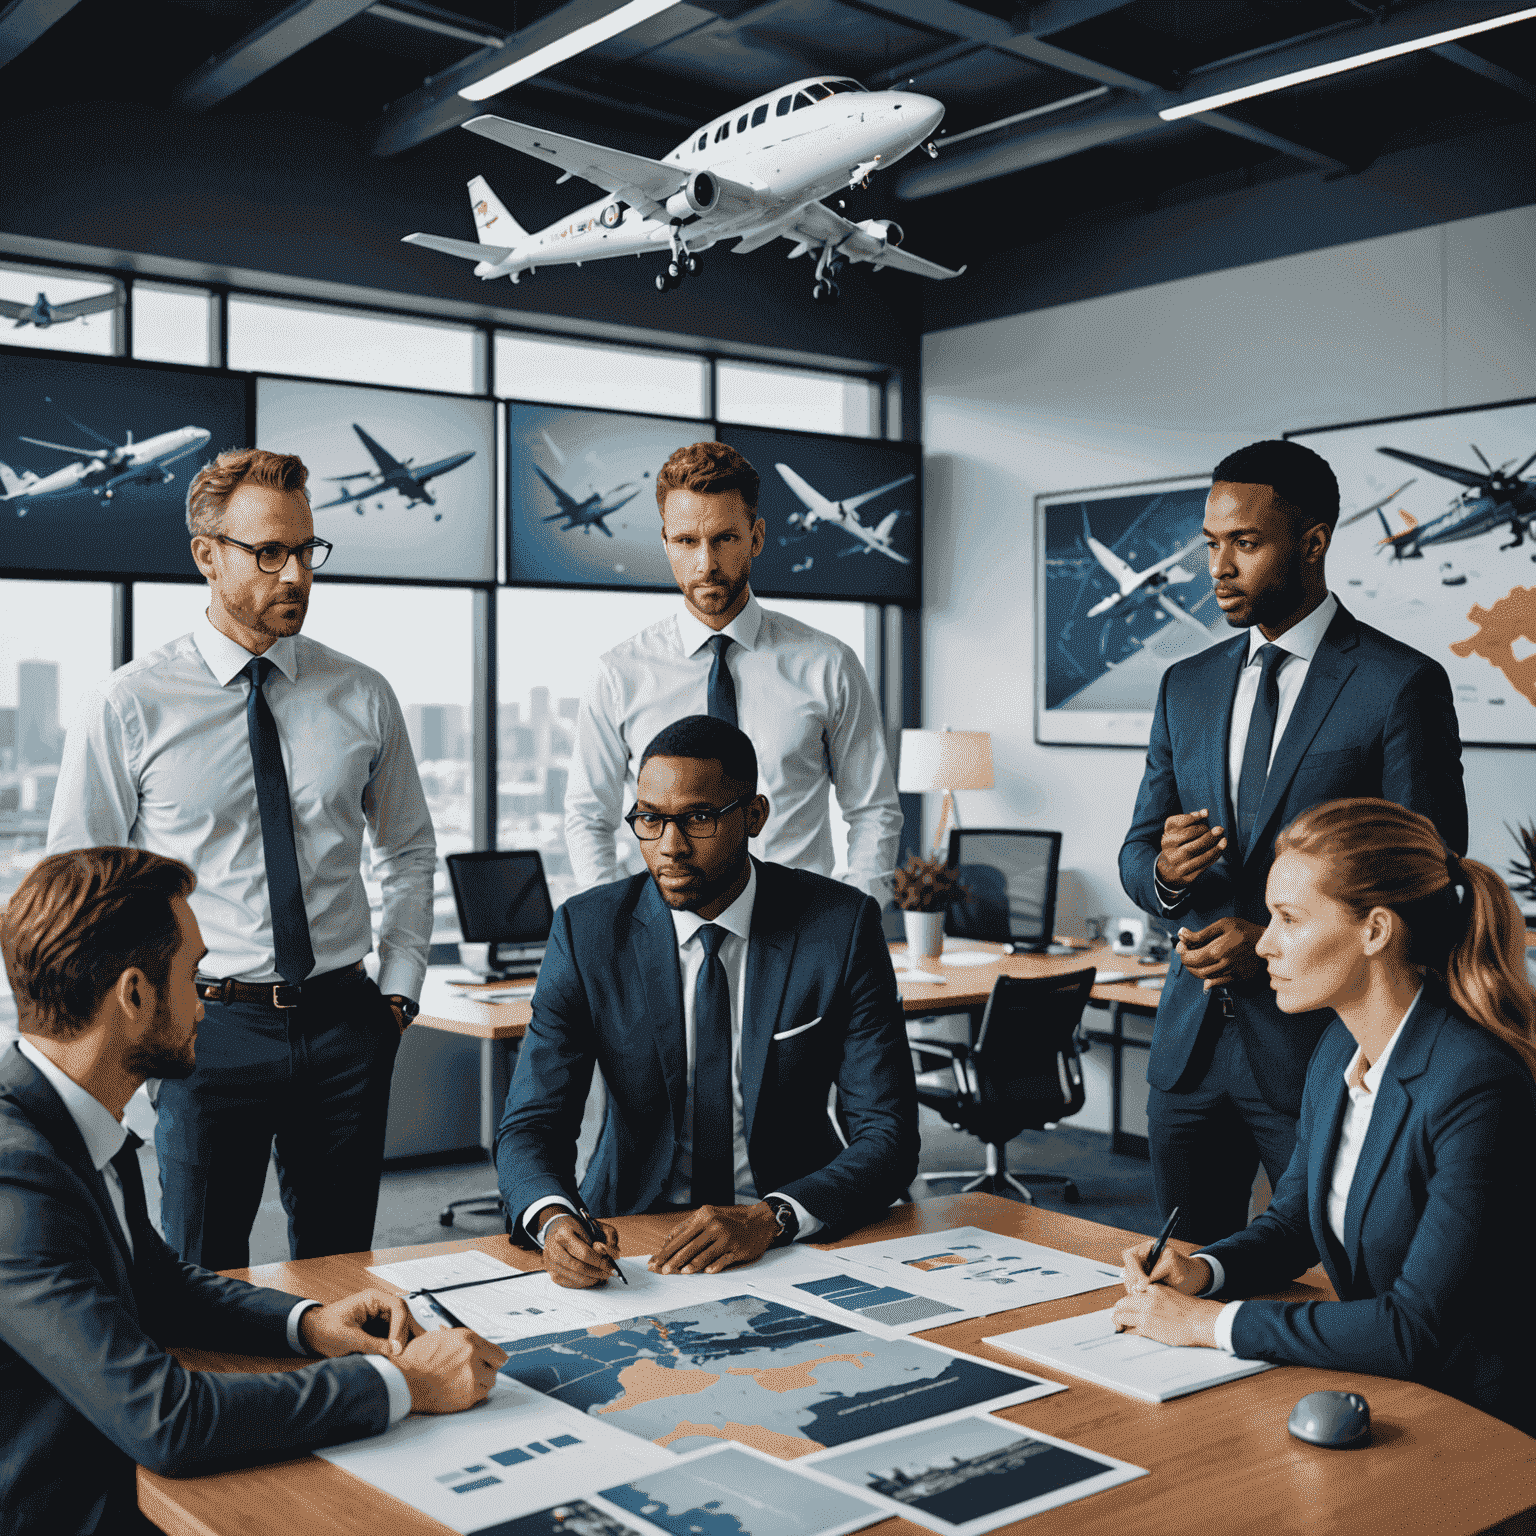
1162, 381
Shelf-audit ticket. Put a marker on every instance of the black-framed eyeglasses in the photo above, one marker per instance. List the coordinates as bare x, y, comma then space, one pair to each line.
271, 558
649, 825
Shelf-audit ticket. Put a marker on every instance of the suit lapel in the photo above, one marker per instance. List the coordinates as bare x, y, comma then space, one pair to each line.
769, 953
1324, 1149
1221, 683
652, 952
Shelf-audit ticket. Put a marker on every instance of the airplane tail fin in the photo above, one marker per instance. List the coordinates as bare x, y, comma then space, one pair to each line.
493, 224
11, 483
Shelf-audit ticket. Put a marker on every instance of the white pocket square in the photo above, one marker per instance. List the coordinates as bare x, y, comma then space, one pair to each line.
799, 1029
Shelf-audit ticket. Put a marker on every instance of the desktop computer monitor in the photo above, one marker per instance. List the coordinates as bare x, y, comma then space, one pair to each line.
503, 903
1010, 885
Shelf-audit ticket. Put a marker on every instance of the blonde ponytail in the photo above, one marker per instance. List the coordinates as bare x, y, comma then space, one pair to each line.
1485, 971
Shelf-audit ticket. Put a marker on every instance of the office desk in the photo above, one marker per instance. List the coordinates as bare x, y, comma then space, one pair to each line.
1220, 1461
499, 1027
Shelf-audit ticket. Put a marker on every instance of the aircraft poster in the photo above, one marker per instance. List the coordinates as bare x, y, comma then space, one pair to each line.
96, 457
1122, 592
402, 482
1456, 579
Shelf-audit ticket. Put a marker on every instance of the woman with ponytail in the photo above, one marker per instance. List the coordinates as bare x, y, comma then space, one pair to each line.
1416, 1146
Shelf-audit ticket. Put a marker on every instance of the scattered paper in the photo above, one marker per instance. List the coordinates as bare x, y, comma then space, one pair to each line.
444, 1269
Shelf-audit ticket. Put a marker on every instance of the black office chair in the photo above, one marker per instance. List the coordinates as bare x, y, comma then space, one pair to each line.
489, 1203
1022, 1073
1008, 875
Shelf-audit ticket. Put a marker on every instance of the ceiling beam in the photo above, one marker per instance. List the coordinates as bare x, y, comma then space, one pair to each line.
22, 22
1236, 126
261, 49
1455, 53
1057, 15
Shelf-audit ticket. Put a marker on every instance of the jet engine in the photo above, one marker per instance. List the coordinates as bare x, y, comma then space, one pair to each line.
699, 196
887, 230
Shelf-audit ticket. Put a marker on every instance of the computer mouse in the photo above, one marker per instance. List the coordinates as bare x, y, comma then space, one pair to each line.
1333, 1419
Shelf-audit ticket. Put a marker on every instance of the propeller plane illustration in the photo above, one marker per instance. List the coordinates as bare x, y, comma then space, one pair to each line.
42, 314
1128, 581
1492, 497
392, 474
844, 515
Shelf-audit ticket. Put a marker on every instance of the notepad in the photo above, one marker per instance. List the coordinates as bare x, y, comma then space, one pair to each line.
1088, 1346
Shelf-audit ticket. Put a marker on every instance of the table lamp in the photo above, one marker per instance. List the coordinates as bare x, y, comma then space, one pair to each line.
946, 760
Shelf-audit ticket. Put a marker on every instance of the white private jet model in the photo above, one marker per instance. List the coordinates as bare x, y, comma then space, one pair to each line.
42, 314
843, 514
1167, 570
754, 175
102, 471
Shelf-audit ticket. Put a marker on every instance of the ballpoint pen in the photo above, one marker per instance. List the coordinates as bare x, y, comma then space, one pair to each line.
594, 1237
464, 1285
438, 1307
1162, 1241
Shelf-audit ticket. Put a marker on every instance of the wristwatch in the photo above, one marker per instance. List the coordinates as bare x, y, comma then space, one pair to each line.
405, 1005
784, 1214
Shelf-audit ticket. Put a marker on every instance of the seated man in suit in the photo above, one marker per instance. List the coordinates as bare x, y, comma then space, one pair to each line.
102, 950
721, 998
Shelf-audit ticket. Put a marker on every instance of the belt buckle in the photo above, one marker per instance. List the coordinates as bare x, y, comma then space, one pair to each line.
285, 996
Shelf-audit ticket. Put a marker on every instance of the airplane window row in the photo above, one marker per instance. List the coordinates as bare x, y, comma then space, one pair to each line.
805, 98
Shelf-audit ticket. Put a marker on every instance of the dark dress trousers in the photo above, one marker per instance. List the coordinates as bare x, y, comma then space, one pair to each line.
1438, 1243
1374, 718
86, 1386
610, 996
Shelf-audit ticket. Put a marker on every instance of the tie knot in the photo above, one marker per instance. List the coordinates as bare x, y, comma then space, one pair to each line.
260, 669
1269, 657
711, 936
129, 1151
721, 644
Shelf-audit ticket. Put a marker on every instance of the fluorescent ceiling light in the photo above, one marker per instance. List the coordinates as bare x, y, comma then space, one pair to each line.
1355, 61
567, 47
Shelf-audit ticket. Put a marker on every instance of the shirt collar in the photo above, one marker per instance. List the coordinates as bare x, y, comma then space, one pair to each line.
1373, 1073
737, 918
101, 1131
1300, 639
743, 629
227, 660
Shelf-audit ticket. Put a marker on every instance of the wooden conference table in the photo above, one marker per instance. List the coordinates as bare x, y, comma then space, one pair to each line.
1220, 1461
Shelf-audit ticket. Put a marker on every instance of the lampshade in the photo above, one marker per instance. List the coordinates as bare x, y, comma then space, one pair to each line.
933, 760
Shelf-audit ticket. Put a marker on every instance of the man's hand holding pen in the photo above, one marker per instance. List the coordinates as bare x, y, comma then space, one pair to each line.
571, 1257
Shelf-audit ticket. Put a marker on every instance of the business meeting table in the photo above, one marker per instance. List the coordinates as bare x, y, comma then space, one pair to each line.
1220, 1460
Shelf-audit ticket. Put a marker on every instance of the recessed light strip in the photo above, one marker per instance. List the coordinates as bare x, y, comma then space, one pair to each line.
567, 47
1338, 67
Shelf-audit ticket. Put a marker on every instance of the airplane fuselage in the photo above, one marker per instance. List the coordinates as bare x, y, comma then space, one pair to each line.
1467, 519
139, 463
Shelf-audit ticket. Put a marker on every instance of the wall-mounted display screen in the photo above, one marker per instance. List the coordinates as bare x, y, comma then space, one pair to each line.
843, 515
401, 482
95, 459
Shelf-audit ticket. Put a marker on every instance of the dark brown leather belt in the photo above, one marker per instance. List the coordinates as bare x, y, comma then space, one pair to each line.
274, 994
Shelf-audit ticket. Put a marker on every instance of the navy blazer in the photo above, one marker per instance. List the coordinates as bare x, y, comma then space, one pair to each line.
610, 996
1438, 1242
86, 1386
1374, 718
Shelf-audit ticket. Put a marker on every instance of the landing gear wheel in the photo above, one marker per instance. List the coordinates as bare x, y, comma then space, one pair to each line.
674, 271
664, 284
692, 265
821, 291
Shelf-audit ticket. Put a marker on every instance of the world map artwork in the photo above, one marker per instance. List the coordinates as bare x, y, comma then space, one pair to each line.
754, 1371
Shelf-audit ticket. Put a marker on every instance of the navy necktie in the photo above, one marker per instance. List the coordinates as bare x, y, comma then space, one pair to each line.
126, 1162
1261, 737
290, 924
722, 686
714, 1160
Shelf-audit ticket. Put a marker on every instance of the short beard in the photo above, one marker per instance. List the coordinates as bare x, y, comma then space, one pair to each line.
733, 591
716, 888
155, 1056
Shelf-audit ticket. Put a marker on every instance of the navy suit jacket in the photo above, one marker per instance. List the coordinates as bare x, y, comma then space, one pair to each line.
1438, 1242
610, 996
86, 1386
1373, 718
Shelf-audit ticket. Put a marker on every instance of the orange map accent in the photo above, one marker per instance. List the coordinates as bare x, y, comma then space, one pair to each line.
938, 1261
645, 1381
769, 1441
1512, 618
794, 1378
601, 1330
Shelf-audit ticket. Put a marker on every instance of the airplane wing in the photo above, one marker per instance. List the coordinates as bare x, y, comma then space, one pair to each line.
568, 504
850, 502
1436, 467
634, 177
10, 311
78, 307
388, 466
1176, 611
441, 466
350, 496
808, 494
815, 224
469, 250
1171, 560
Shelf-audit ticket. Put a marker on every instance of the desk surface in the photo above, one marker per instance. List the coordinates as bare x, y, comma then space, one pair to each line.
1220, 1460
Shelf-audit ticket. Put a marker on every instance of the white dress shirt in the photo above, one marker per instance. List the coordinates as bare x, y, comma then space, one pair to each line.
159, 758
1300, 642
802, 698
737, 922
1361, 1087
104, 1134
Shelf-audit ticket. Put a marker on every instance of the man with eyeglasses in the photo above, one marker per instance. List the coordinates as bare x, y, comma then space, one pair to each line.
721, 997
260, 758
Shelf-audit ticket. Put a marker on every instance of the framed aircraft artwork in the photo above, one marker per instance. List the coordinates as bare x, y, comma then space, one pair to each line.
95, 459
402, 482
1121, 592
1435, 544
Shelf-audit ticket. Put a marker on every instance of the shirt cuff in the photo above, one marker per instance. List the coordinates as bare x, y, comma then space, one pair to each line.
525, 1221
1224, 1320
1170, 896
401, 978
398, 1387
1218, 1274
295, 1343
809, 1225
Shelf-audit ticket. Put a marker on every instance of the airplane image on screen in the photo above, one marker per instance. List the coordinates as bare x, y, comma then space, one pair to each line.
103, 471
589, 511
843, 515
1128, 580
42, 314
1492, 497
394, 474
754, 175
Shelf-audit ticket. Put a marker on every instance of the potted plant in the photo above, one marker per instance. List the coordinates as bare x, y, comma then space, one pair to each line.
923, 889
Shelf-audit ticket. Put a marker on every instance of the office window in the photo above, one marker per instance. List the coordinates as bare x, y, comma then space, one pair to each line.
760, 115
269, 336
170, 325
761, 396
580, 373
421, 639
25, 325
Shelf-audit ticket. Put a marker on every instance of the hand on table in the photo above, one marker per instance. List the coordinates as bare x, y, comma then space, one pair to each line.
1165, 1305
569, 1258
1221, 952
449, 1369
1190, 847
715, 1237
366, 1323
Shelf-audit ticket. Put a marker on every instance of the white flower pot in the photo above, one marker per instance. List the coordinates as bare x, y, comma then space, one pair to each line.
925, 935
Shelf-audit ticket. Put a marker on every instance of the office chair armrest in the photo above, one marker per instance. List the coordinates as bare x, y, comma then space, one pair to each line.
958, 1055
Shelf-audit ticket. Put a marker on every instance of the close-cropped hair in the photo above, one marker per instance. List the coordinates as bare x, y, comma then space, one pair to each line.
1463, 924
78, 921
711, 469
213, 485
1303, 482
704, 738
